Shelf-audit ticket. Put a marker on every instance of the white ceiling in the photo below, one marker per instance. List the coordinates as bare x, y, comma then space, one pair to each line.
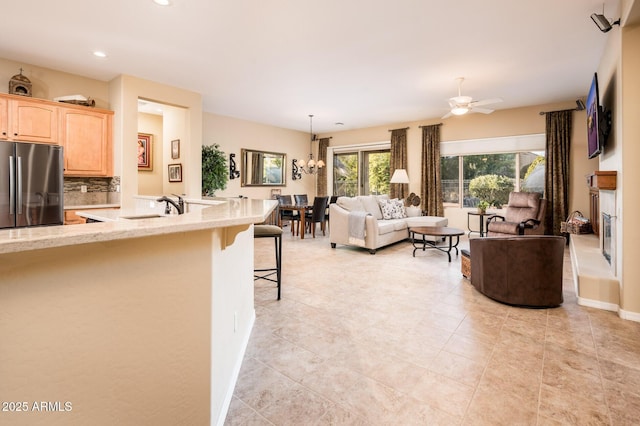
363, 63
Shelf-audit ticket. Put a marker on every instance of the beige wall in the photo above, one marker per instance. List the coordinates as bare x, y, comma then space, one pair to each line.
519, 121
49, 84
124, 92
234, 134
150, 182
120, 329
630, 152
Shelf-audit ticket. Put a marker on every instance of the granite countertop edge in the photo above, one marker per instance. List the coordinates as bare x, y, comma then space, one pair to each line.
227, 214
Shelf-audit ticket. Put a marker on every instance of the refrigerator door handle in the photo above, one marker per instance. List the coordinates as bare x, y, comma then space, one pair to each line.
19, 184
12, 185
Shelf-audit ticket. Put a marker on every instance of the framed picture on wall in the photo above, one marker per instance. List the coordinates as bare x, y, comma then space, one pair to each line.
145, 151
175, 172
175, 149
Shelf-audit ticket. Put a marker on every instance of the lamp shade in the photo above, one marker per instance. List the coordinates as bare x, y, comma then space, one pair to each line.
400, 176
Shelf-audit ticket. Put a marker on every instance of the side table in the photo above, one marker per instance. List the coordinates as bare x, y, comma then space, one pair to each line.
482, 221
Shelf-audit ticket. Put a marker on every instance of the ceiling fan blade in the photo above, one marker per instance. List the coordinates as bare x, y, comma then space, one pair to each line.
447, 115
482, 110
486, 102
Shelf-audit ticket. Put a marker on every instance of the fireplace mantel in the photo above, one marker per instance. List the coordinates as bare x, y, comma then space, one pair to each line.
602, 180
599, 181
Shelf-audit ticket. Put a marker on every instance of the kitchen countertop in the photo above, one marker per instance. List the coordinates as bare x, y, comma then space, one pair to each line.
92, 206
231, 212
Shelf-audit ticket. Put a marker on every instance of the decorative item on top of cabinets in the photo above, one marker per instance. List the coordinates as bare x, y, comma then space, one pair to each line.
20, 85
233, 172
214, 170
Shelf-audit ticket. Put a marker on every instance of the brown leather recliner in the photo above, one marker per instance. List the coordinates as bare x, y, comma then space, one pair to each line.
524, 215
525, 271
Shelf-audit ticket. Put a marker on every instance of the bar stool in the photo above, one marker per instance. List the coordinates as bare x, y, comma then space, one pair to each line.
275, 232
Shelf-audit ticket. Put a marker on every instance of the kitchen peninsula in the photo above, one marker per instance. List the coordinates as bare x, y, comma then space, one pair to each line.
139, 321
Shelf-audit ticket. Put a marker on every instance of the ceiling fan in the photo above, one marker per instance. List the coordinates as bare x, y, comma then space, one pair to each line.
461, 105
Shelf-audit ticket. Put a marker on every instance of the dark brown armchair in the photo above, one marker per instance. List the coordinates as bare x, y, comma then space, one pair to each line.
525, 271
524, 215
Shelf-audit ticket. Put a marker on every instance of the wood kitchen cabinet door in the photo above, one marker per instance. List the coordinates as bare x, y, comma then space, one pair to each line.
32, 120
87, 141
4, 118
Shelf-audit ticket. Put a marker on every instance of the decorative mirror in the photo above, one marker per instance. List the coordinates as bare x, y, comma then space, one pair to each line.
262, 168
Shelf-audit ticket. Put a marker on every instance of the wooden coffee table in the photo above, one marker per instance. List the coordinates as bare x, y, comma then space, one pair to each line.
435, 231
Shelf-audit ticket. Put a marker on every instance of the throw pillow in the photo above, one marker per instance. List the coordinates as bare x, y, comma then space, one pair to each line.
350, 204
392, 209
371, 205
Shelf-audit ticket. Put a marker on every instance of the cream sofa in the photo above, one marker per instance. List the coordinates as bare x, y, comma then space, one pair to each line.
378, 232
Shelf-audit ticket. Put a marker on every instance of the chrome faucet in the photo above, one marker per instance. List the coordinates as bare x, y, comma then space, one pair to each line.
179, 205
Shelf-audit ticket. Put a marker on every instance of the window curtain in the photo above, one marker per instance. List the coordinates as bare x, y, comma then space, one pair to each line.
431, 195
558, 142
398, 160
322, 173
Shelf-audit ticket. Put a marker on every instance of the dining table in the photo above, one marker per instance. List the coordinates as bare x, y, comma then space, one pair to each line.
301, 209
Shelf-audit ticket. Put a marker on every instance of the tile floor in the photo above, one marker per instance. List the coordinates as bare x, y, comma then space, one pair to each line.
395, 340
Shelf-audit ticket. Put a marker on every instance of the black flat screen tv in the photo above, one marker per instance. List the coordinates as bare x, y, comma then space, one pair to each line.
593, 119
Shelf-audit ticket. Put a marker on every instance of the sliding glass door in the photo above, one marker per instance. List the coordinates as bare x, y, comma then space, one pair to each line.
361, 172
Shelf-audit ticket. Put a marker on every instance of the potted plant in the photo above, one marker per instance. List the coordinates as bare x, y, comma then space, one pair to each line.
214, 170
482, 207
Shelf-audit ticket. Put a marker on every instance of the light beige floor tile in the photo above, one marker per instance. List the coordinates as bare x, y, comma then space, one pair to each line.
395, 340
240, 414
372, 401
443, 393
495, 406
295, 406
458, 368
572, 409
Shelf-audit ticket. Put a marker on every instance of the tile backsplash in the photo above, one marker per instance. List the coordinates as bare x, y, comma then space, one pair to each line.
99, 191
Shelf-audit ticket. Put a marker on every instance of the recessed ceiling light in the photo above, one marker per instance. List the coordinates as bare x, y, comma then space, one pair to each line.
339, 123
162, 2
99, 54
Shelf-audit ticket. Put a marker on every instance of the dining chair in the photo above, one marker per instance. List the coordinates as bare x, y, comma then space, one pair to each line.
286, 215
301, 199
317, 215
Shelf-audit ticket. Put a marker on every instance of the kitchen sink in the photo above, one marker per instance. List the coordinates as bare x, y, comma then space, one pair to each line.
143, 216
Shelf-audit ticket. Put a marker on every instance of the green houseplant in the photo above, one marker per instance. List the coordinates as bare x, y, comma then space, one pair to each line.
482, 207
214, 170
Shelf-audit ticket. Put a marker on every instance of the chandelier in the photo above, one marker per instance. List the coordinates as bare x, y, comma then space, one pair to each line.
310, 167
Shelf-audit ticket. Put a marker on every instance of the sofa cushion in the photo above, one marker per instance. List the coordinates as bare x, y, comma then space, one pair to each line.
350, 204
370, 204
392, 209
391, 225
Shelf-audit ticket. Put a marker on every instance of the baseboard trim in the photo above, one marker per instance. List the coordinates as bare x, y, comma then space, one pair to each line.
628, 315
598, 304
234, 378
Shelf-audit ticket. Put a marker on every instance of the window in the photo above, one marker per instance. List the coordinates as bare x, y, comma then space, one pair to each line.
361, 172
489, 169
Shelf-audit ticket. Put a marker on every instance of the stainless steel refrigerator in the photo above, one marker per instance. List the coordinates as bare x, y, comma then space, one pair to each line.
31, 185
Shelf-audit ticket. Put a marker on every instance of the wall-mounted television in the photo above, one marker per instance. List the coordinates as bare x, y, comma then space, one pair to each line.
593, 119
598, 121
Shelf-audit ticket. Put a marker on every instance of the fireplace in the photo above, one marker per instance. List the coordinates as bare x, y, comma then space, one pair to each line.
606, 237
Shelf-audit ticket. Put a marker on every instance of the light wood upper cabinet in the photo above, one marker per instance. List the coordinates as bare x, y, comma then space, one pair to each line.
32, 120
4, 118
86, 136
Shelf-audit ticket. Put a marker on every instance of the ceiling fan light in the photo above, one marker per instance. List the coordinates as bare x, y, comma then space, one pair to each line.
459, 110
